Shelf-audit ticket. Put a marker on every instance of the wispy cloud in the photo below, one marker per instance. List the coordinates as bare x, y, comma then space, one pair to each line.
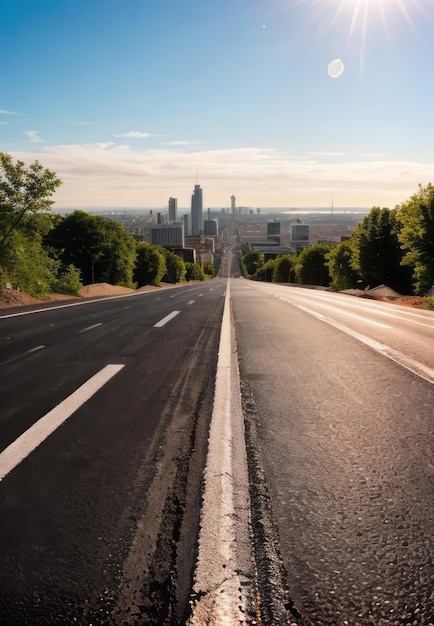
181, 143
33, 135
328, 154
80, 123
5, 112
112, 174
135, 134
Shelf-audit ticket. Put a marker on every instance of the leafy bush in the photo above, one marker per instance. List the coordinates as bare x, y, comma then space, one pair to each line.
68, 282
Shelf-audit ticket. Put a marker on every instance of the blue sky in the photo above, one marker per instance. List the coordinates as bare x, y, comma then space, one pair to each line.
130, 101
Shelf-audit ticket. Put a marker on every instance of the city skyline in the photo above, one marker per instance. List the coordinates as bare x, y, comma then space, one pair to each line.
284, 103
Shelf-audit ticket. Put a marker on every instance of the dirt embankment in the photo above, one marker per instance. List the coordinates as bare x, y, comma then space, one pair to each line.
10, 298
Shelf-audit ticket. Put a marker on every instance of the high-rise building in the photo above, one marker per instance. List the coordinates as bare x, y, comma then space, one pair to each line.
233, 207
196, 211
173, 209
210, 227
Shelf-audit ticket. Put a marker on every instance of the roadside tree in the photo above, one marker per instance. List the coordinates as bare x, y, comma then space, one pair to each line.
377, 254
175, 268
311, 267
339, 262
150, 265
416, 236
284, 269
23, 190
99, 247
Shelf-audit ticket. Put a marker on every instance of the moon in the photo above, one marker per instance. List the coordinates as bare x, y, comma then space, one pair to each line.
335, 68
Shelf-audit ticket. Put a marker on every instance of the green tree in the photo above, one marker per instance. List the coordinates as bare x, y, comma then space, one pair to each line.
339, 262
23, 190
251, 261
265, 272
99, 247
311, 267
209, 270
150, 265
175, 268
68, 281
194, 271
284, 269
416, 235
27, 266
377, 254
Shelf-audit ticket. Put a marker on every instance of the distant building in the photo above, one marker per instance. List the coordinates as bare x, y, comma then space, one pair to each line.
273, 231
210, 227
196, 211
300, 233
204, 247
233, 207
173, 209
168, 235
271, 250
185, 219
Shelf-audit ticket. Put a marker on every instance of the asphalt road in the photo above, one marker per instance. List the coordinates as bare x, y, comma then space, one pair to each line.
99, 522
338, 397
106, 409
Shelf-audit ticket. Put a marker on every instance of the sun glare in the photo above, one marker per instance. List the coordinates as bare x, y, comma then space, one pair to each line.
359, 18
362, 11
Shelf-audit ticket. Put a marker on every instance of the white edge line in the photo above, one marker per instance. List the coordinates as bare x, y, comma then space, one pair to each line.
81, 303
166, 319
84, 330
419, 369
46, 425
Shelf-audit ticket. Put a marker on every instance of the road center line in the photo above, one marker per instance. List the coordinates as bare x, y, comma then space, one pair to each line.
166, 319
221, 586
46, 425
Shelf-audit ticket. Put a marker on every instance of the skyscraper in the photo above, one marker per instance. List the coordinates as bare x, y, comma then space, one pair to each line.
196, 211
173, 209
233, 207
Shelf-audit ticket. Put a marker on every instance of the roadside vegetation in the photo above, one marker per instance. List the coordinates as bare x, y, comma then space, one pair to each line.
393, 247
43, 253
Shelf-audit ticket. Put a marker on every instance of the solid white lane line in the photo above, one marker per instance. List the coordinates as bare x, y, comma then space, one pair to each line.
90, 328
46, 425
421, 370
166, 319
354, 316
35, 349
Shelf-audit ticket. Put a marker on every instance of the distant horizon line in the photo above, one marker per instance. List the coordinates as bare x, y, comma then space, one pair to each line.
219, 208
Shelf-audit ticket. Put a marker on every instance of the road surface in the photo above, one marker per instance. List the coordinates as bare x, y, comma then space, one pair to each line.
102, 518
124, 495
338, 396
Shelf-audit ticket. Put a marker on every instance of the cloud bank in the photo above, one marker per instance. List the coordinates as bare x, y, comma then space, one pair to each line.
114, 175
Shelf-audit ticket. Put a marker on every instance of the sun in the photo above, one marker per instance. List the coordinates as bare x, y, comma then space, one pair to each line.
362, 11
359, 20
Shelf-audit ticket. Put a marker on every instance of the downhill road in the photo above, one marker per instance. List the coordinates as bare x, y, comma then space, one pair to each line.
101, 519
338, 397
127, 490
